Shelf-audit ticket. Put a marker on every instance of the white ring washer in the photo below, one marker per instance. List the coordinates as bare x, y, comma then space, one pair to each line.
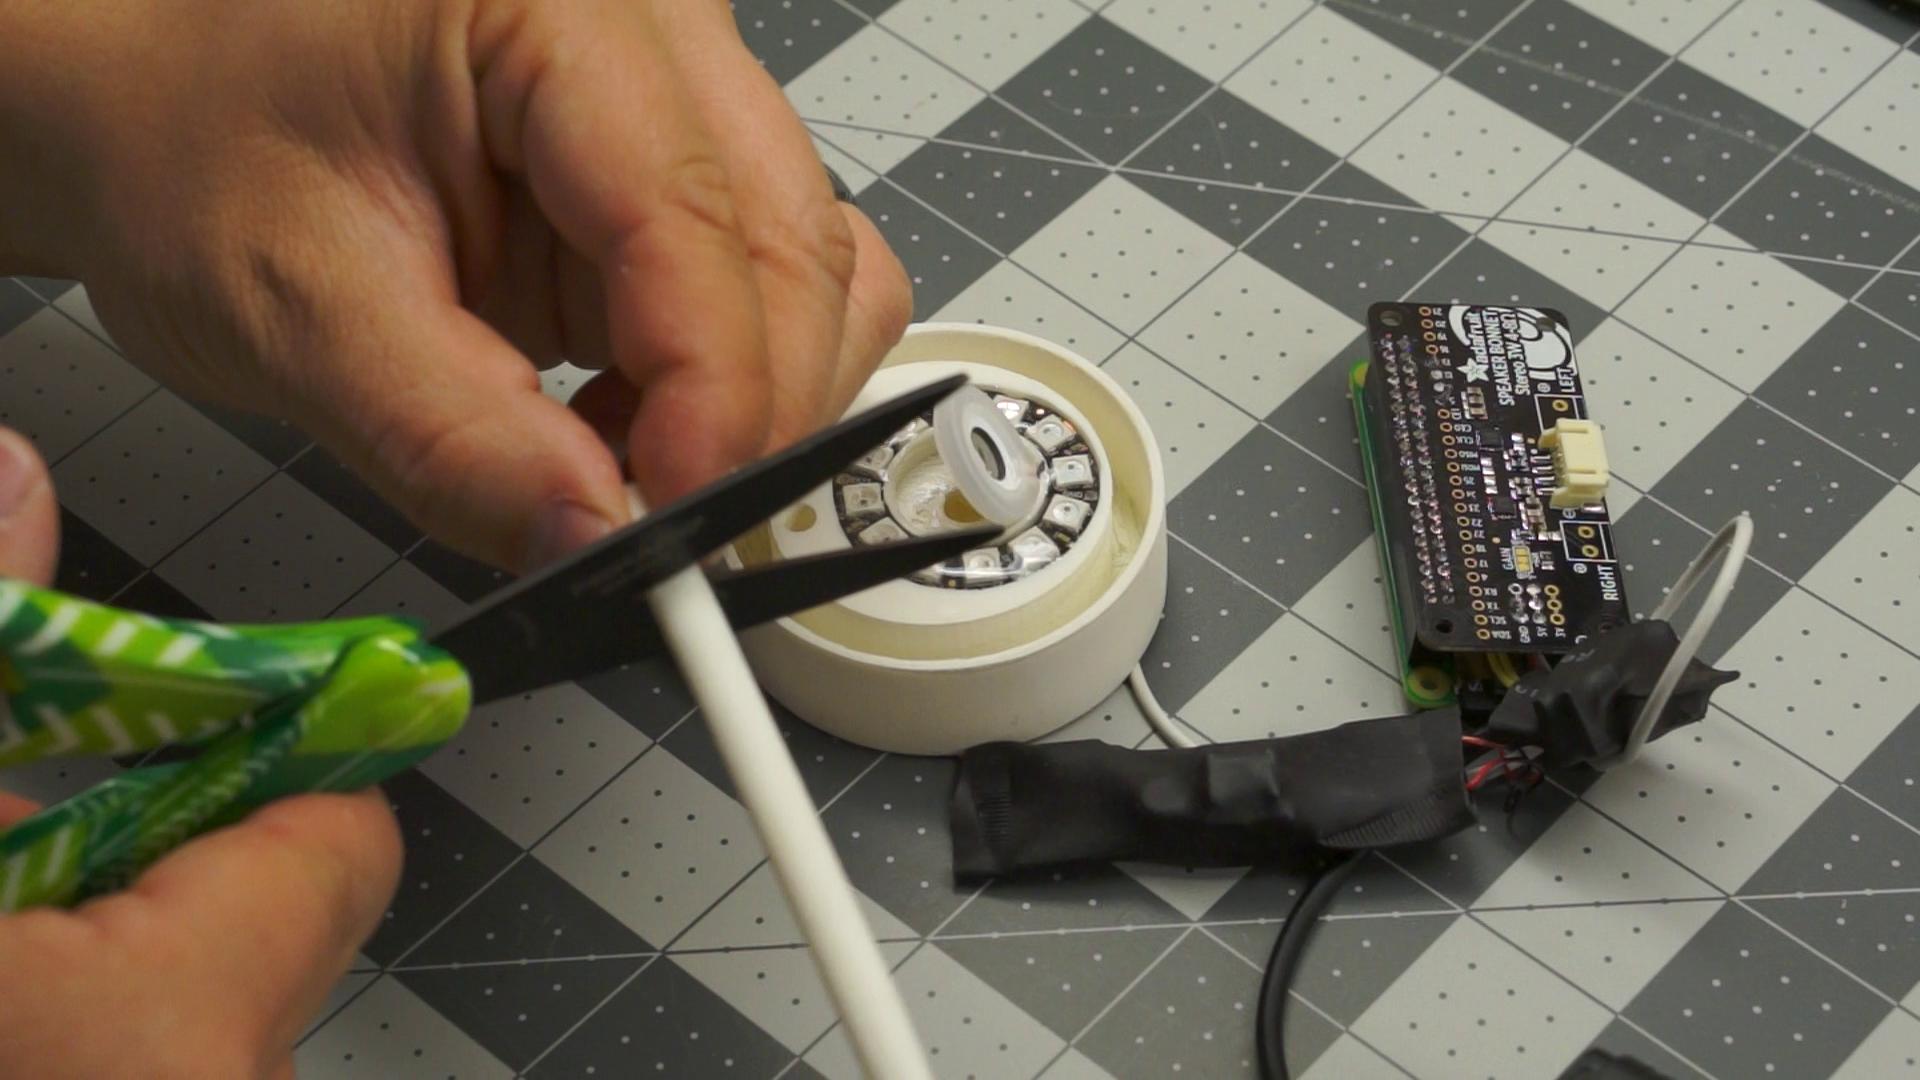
911, 621
1013, 498
915, 669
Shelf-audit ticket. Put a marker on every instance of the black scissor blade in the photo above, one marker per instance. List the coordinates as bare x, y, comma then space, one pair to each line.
615, 634
511, 628
763, 593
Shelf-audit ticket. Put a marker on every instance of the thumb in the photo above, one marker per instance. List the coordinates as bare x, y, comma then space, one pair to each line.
446, 420
29, 518
259, 920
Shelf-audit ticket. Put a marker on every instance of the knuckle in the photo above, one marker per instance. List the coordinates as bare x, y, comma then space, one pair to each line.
696, 189
420, 453
423, 464
831, 242
813, 246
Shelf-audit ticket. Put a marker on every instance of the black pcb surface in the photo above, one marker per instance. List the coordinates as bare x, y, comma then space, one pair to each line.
1455, 400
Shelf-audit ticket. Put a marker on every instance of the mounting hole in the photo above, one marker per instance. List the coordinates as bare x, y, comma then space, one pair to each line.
1429, 682
802, 519
1445, 626
1390, 318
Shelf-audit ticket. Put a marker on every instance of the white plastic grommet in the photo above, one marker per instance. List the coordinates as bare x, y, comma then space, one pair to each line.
993, 465
911, 668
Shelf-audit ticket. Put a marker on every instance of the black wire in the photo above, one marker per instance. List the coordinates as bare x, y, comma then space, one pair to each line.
1270, 1037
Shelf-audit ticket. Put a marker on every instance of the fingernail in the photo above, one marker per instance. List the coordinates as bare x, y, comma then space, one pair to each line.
19, 472
566, 527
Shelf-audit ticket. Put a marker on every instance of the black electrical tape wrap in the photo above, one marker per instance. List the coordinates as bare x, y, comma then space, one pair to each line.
1367, 784
1583, 708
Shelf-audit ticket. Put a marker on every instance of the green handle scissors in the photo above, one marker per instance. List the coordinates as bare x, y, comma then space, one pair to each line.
268, 711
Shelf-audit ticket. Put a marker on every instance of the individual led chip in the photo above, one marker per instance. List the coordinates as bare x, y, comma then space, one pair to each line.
1012, 407
1068, 513
1034, 549
1051, 433
883, 532
863, 500
1073, 471
874, 462
982, 560
1035, 546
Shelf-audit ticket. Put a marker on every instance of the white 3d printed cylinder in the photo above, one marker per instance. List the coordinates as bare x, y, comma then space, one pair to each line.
937, 664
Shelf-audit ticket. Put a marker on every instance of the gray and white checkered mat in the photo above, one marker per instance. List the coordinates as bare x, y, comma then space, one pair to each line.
1721, 196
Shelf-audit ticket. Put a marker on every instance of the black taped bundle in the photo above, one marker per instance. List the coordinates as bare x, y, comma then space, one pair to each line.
1371, 783
1582, 709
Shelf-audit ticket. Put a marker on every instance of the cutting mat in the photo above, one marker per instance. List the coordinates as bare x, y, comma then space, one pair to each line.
1720, 195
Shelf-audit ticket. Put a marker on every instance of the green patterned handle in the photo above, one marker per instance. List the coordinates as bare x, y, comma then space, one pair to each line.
272, 711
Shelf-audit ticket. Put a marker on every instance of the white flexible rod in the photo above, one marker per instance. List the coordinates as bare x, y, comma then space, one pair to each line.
822, 899
1730, 545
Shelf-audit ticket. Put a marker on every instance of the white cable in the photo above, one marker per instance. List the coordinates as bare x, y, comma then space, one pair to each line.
809, 870
1730, 545
1163, 725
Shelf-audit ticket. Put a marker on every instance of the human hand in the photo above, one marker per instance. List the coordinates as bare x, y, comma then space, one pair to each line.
378, 220
216, 958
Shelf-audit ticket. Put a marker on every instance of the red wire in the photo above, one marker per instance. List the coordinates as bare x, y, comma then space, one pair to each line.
1480, 775
1513, 765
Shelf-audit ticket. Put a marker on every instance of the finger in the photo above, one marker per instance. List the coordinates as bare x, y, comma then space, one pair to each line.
582, 304
29, 517
446, 420
801, 245
583, 100
260, 919
518, 297
879, 306
608, 403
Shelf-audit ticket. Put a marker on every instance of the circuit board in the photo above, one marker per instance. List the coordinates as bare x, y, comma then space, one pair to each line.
1487, 479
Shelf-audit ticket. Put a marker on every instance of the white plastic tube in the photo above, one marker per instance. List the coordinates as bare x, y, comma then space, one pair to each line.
809, 870
1730, 546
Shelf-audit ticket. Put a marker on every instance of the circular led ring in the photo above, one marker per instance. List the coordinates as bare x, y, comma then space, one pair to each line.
1019, 455
912, 669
